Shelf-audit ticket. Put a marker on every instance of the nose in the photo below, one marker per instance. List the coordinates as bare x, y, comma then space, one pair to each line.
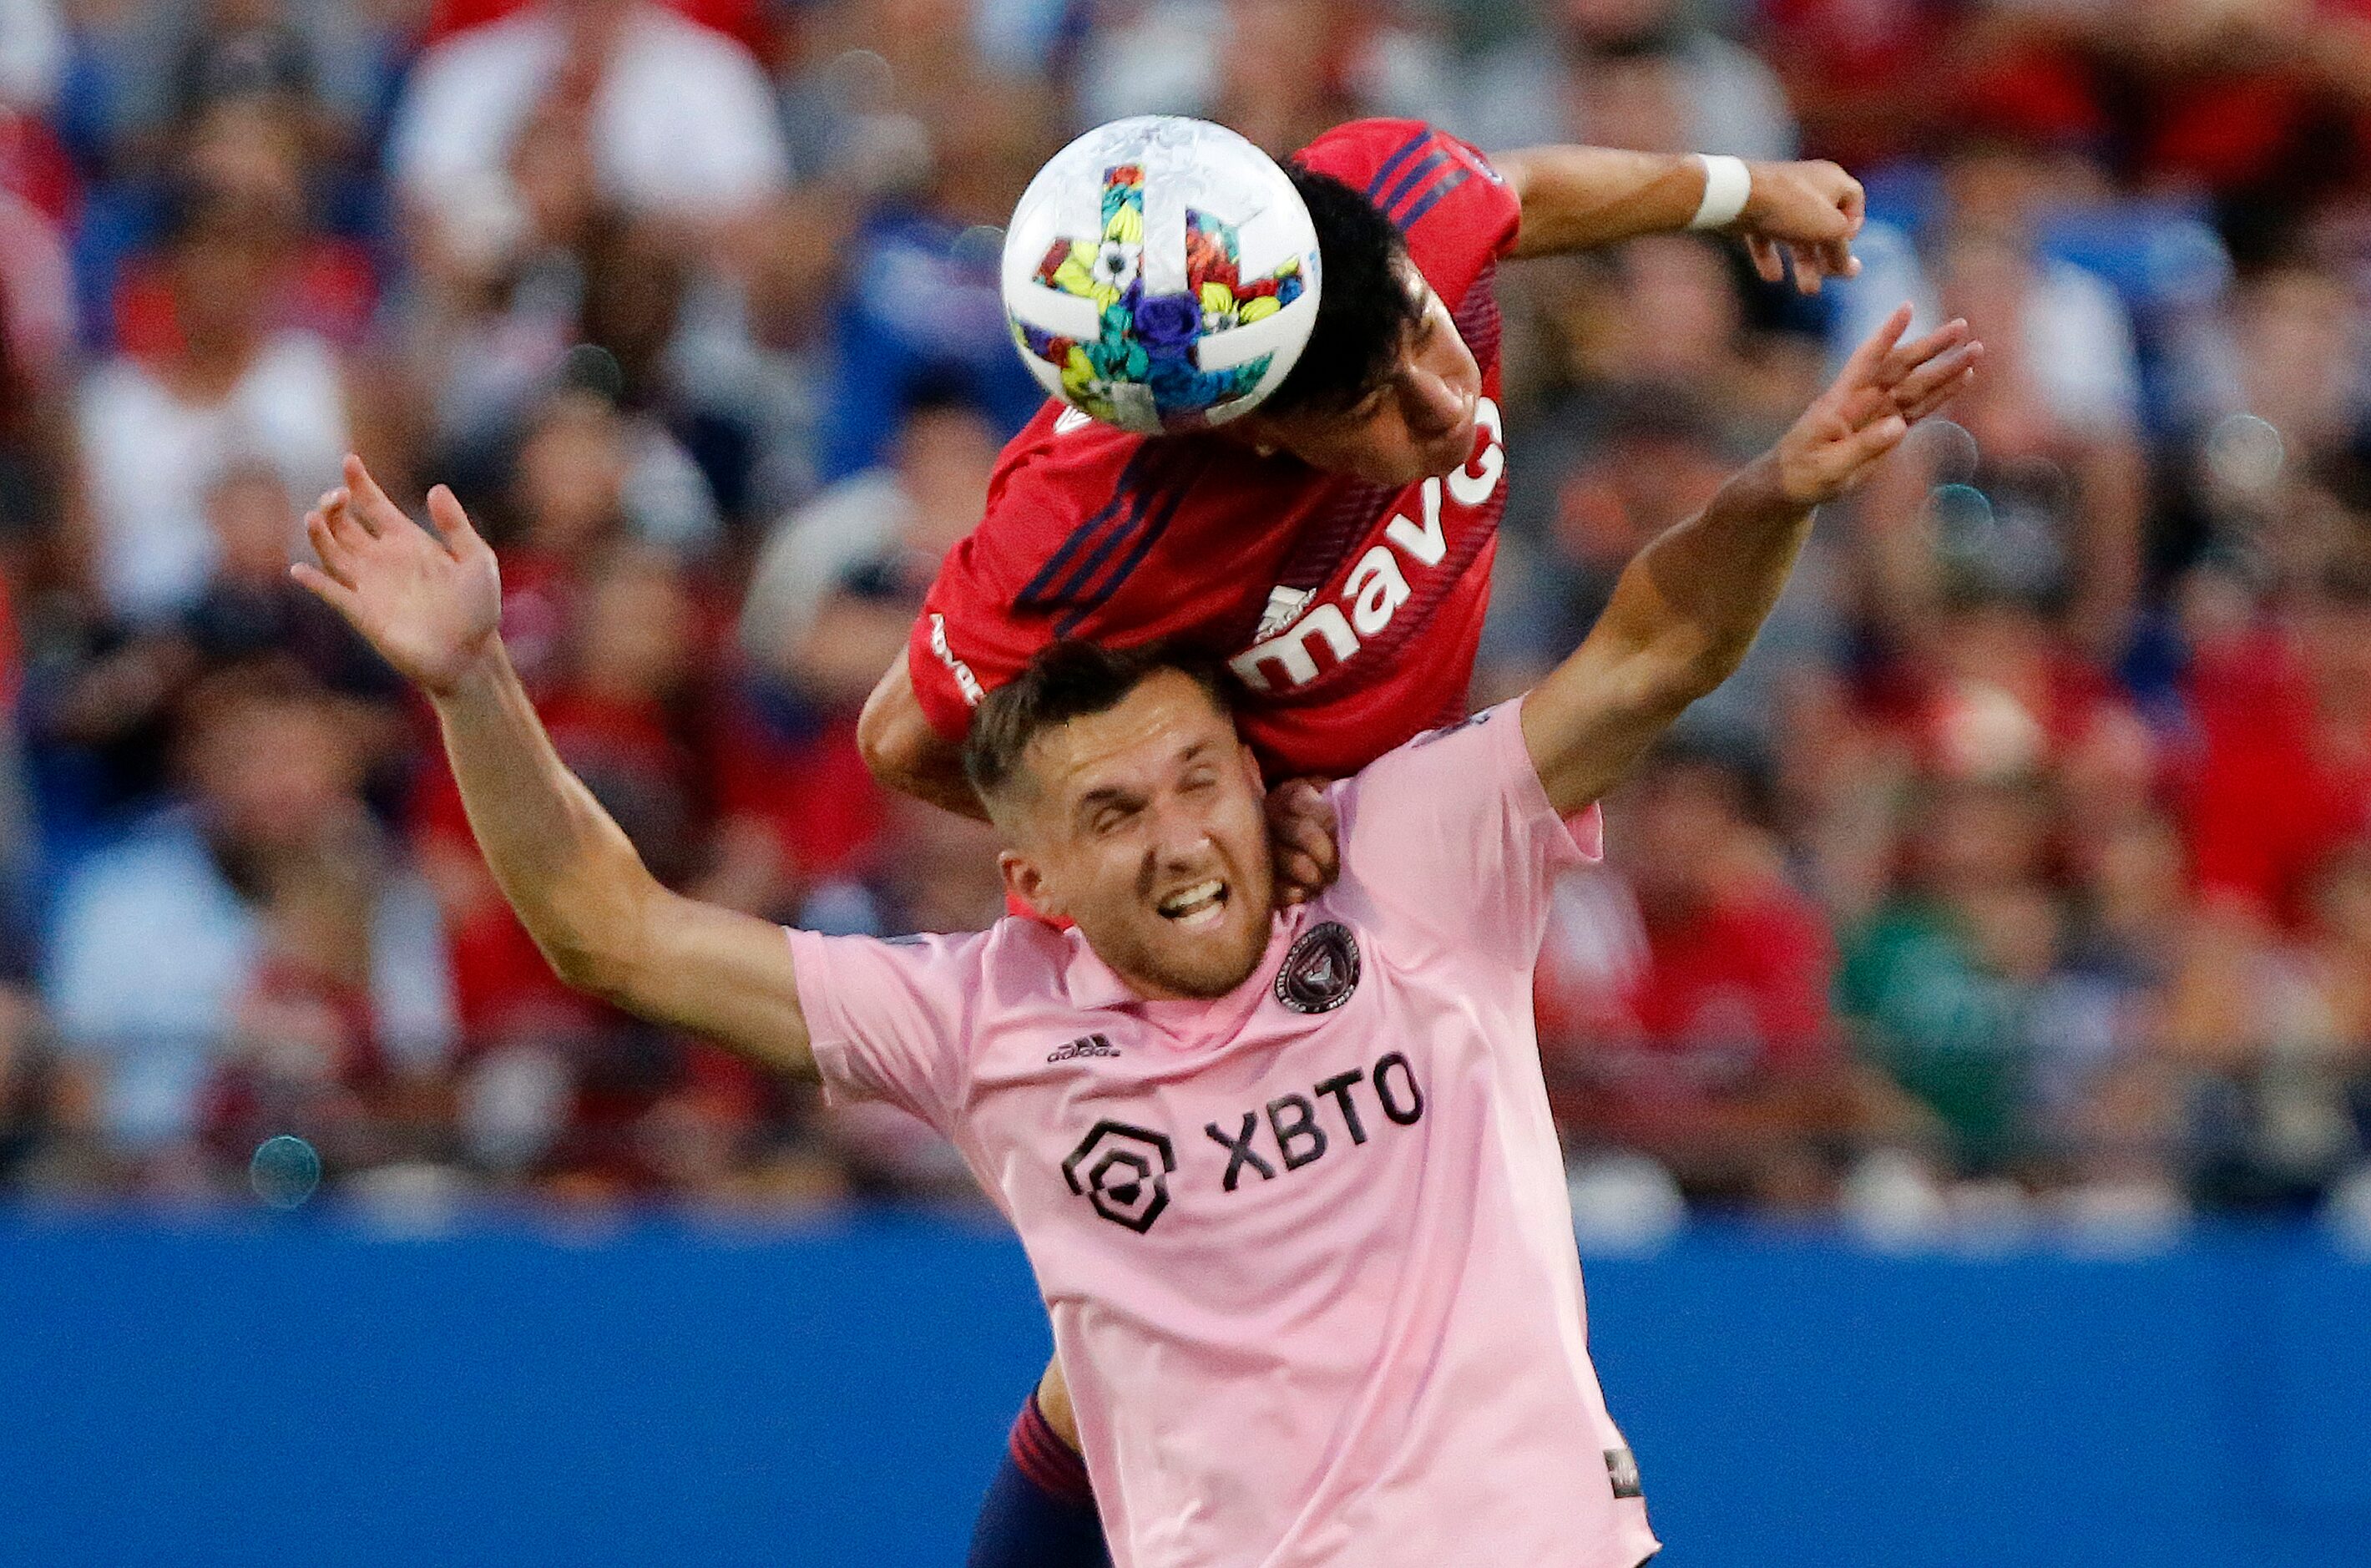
1181, 838
1435, 404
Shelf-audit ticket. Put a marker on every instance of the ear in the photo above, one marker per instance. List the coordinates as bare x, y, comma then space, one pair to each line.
1025, 884
1250, 761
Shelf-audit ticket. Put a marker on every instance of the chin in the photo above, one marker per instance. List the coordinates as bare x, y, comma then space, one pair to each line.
1212, 965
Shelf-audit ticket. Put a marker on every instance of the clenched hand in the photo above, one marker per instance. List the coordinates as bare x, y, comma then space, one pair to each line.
1807, 213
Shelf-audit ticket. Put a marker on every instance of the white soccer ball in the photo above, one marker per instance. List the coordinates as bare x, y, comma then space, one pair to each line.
1162, 275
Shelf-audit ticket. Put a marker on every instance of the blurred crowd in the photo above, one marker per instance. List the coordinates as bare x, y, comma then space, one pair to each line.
2025, 868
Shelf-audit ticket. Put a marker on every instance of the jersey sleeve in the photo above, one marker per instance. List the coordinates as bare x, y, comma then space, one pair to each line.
888, 1020
1453, 834
1456, 212
996, 600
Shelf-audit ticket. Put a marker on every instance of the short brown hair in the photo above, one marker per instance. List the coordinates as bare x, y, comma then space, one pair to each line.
1068, 679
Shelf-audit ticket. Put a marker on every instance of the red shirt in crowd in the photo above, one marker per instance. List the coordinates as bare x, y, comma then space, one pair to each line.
2274, 791
1644, 1020
1349, 612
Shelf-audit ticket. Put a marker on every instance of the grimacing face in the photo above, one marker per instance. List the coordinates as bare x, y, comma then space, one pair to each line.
1418, 425
1145, 826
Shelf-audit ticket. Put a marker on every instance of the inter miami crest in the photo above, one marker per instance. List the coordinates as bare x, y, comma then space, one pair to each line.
1124, 1172
1322, 969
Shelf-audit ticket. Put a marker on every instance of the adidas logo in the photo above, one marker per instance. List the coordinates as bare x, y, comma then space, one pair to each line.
1092, 1045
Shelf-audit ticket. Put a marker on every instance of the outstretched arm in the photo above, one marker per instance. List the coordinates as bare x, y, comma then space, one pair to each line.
1577, 198
1688, 606
433, 608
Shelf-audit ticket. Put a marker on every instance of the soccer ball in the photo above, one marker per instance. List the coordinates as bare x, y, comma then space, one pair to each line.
1162, 275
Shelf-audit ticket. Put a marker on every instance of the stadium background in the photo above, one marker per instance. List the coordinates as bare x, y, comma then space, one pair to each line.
1966, 1057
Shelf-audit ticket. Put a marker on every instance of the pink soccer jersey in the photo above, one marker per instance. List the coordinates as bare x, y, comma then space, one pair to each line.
1306, 1247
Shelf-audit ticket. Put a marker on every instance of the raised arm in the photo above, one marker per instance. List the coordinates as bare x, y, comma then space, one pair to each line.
1687, 607
433, 608
1576, 198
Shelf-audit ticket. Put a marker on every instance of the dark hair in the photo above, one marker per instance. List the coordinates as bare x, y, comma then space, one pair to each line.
1364, 314
1066, 680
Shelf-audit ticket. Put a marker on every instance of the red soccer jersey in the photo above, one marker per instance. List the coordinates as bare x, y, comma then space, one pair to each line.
1349, 612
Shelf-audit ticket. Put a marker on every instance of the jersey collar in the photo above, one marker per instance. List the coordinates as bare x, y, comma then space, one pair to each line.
1092, 984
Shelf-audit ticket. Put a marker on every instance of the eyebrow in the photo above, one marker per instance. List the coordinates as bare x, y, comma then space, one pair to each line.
1114, 794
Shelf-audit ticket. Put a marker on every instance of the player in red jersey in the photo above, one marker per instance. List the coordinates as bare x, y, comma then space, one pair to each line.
1333, 546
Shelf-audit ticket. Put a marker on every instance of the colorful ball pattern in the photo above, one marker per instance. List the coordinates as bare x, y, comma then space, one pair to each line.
1149, 321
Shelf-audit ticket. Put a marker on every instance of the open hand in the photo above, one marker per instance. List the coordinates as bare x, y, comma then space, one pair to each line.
433, 608
1301, 829
1884, 388
1803, 212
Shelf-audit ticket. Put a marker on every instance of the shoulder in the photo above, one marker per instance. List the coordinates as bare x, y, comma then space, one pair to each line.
1454, 208
1395, 162
1357, 150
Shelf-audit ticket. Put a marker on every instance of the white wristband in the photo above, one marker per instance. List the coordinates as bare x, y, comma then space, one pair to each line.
1728, 182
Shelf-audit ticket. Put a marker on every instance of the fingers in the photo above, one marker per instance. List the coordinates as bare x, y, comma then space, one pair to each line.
336, 550
1302, 826
340, 596
1768, 264
1810, 266
373, 511
446, 511
1862, 369
1919, 387
1853, 202
1907, 358
1871, 442
1940, 396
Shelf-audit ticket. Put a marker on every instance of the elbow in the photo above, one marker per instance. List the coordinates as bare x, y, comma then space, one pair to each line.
596, 969
876, 740
599, 947
893, 736
1688, 669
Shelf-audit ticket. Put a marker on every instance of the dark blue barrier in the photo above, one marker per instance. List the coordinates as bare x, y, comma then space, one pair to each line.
308, 1395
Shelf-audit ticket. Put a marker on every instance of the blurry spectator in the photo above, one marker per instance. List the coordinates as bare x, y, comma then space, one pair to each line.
1644, 74
2277, 1037
117, 705
2282, 767
829, 607
32, 53
154, 433
152, 71
836, 591
921, 305
1942, 983
2044, 470
1279, 71
159, 939
676, 120
40, 1103
37, 301
1682, 998
586, 479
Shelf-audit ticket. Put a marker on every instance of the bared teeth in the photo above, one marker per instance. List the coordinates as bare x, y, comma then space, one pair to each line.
1187, 902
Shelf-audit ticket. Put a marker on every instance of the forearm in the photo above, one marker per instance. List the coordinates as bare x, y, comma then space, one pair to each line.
1697, 596
1683, 615
1577, 198
561, 862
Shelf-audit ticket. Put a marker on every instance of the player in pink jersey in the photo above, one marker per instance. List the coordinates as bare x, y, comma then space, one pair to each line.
1334, 547
1286, 1175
